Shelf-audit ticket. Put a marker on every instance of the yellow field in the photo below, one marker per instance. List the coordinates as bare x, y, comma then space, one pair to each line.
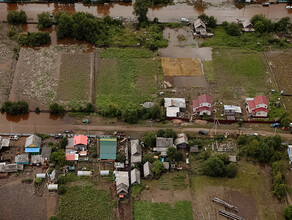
181, 66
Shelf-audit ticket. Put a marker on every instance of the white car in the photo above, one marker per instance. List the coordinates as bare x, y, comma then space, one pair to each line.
185, 20
289, 7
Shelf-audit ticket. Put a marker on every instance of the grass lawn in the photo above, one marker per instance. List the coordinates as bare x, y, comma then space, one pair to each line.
74, 81
250, 180
126, 76
237, 72
252, 41
148, 210
85, 202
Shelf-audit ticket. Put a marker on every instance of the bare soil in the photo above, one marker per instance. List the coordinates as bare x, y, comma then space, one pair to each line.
181, 66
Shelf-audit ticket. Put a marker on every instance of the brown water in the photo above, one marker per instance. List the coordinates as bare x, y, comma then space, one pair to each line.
172, 13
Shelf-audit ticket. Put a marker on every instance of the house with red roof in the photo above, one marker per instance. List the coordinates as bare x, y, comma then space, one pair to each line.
80, 142
202, 105
258, 107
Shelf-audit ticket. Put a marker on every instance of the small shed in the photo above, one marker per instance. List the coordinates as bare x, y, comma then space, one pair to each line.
70, 144
232, 159
181, 141
166, 165
84, 173
147, 168
108, 148
46, 153
135, 176
4, 142
148, 105
194, 149
136, 152
36, 159
21, 159
53, 177
247, 26
33, 141
200, 28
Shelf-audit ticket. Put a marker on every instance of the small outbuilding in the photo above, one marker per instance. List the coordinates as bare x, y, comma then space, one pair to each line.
147, 168
46, 153
148, 105
135, 176
122, 183
200, 28
194, 149
289, 149
21, 159
36, 159
181, 141
247, 26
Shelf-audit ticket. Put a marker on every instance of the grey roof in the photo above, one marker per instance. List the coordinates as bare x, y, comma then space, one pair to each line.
122, 177
181, 139
21, 158
194, 149
148, 104
46, 152
175, 102
135, 176
166, 165
4, 142
33, 141
247, 24
122, 188
70, 143
232, 158
136, 152
147, 169
164, 142
199, 24
9, 168
53, 177
36, 159
119, 165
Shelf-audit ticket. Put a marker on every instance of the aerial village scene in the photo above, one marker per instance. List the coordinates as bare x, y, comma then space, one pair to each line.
146, 109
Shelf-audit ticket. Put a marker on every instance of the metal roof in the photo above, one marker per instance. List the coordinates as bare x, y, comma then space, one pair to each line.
135, 176
33, 141
175, 102
32, 150
108, 148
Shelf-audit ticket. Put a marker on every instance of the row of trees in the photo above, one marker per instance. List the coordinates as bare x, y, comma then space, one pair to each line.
14, 108
16, 17
56, 108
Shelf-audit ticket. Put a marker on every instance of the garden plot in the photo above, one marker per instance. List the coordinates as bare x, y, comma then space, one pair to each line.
36, 76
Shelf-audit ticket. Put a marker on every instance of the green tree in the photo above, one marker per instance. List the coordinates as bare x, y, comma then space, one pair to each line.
89, 108
288, 212
63, 143
233, 29
262, 24
55, 108
149, 139
34, 39
16, 17
155, 112
14, 108
210, 22
285, 120
169, 133
148, 157
160, 133
231, 170
277, 167
130, 114
157, 168
242, 140
283, 24
121, 157
65, 26
140, 10
266, 152
214, 167
171, 153
44, 20
58, 157
61, 189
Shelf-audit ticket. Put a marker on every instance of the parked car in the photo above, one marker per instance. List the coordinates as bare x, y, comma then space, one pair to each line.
266, 4
184, 20
289, 7
14, 138
254, 134
202, 132
59, 136
275, 125
68, 132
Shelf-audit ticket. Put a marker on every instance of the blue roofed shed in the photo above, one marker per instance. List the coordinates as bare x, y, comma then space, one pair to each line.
32, 150
108, 148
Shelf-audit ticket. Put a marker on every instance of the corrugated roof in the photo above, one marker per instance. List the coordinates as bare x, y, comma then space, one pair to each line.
108, 148
135, 176
261, 100
199, 23
33, 141
70, 157
181, 139
162, 142
172, 111
147, 169
205, 98
175, 102
46, 152
80, 139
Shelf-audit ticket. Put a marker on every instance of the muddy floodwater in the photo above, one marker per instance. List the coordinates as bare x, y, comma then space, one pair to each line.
223, 10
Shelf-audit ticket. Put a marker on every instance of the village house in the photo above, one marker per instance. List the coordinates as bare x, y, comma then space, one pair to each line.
174, 106
136, 152
181, 141
258, 106
4, 142
147, 168
162, 144
22, 159
247, 26
32, 144
135, 176
202, 105
80, 142
200, 28
108, 148
122, 183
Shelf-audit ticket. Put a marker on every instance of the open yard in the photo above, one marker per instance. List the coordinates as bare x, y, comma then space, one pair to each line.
74, 81
237, 74
84, 202
126, 76
250, 191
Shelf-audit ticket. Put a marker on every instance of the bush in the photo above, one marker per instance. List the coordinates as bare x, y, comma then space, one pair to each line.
63, 143
148, 157
149, 139
58, 157
34, 39
121, 157
37, 110
214, 167
38, 181
233, 29
169, 133
231, 170
15, 108
54, 218
61, 189
157, 168
210, 22
130, 114
55, 108
262, 24
27, 180
16, 17
44, 20
171, 153
288, 212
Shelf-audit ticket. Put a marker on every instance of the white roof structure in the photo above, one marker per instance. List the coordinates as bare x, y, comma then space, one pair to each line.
175, 102
181, 139
148, 104
232, 108
199, 24
135, 176
4, 142
172, 111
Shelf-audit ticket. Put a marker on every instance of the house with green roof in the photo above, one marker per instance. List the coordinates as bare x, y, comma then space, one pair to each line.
108, 148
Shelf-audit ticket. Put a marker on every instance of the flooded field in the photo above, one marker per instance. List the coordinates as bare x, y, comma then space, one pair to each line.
222, 10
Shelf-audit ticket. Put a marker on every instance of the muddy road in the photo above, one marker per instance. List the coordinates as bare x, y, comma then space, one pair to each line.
173, 13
